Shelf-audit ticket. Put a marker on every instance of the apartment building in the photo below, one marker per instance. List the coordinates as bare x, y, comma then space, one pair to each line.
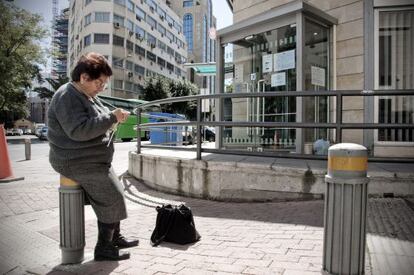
141, 38
199, 27
60, 44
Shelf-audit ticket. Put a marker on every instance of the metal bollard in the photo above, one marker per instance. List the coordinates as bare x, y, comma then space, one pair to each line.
345, 209
27, 148
72, 221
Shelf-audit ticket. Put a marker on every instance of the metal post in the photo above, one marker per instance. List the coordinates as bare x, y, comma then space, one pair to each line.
138, 131
27, 148
345, 209
198, 129
339, 117
72, 221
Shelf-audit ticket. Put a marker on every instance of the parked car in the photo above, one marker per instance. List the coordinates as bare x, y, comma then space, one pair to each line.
38, 128
209, 133
27, 131
17, 132
43, 133
9, 132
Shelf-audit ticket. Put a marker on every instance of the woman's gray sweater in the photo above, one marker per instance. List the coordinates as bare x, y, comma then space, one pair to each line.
78, 129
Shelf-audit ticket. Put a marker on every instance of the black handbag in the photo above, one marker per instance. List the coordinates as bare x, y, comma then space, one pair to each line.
174, 224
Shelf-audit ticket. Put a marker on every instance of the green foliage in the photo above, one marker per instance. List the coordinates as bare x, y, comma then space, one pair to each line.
20, 55
159, 88
55, 84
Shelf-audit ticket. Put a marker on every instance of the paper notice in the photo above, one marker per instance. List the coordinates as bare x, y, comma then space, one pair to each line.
318, 76
284, 60
278, 79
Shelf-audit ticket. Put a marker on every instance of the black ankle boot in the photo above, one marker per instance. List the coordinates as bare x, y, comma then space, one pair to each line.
105, 249
120, 241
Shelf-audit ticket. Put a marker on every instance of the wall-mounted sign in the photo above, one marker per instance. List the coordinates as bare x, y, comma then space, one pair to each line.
253, 76
278, 79
318, 76
267, 63
284, 60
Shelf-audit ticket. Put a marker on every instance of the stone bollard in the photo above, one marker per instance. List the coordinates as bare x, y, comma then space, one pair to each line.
27, 148
345, 209
72, 221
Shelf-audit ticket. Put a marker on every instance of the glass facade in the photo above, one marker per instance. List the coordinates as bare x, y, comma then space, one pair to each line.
188, 31
395, 44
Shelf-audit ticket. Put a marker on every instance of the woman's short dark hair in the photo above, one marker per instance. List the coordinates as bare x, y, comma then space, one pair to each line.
93, 64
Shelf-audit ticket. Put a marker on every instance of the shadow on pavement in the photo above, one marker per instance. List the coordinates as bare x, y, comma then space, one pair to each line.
89, 267
293, 212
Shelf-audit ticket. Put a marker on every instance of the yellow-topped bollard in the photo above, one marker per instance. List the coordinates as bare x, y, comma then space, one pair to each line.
72, 221
345, 209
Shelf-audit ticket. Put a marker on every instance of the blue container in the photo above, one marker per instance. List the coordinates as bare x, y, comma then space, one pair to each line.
166, 135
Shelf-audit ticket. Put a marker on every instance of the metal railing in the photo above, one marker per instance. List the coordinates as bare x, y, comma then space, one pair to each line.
338, 126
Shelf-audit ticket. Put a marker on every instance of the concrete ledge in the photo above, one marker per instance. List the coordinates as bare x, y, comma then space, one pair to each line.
252, 178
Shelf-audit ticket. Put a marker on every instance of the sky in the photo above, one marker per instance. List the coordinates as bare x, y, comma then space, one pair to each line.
221, 11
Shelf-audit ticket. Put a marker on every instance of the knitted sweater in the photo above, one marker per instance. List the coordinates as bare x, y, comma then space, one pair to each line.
78, 129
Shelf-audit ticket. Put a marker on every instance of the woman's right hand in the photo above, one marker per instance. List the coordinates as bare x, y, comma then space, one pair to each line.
121, 114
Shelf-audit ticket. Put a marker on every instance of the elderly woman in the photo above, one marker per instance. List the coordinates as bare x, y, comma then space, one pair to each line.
79, 130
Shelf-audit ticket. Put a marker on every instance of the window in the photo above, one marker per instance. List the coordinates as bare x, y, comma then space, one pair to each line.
87, 2
130, 5
138, 88
151, 56
161, 13
170, 36
152, 5
188, 31
128, 86
120, 2
177, 71
139, 50
130, 45
170, 67
170, 51
177, 27
160, 61
161, 29
189, 3
118, 84
88, 19
139, 33
87, 40
101, 38
151, 21
395, 69
140, 14
129, 65
152, 41
117, 40
130, 25
119, 19
204, 35
169, 20
162, 45
117, 62
102, 17
139, 69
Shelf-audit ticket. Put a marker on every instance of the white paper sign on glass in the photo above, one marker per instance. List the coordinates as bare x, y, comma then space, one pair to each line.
284, 60
278, 79
318, 76
267, 63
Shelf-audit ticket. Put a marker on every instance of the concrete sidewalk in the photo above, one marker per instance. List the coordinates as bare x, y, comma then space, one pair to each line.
237, 238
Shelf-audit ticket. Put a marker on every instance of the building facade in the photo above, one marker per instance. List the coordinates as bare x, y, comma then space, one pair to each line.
60, 44
282, 45
141, 38
199, 27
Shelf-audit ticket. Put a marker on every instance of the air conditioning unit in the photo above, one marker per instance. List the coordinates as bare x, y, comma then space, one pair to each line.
130, 74
152, 45
170, 24
130, 33
138, 18
152, 28
116, 25
152, 9
77, 36
162, 17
